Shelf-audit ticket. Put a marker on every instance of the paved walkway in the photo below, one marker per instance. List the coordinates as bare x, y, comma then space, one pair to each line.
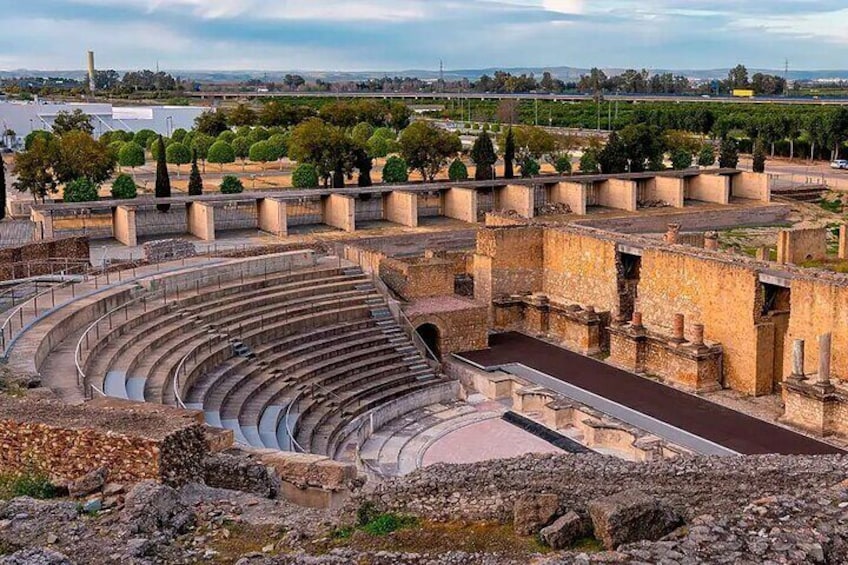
695, 415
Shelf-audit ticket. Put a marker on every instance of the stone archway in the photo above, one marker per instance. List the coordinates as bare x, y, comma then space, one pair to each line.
431, 335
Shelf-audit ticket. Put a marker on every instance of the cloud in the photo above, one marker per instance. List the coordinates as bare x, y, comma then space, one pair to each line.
402, 34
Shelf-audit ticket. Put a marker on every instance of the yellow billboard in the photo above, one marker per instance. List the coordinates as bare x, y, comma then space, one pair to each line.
743, 93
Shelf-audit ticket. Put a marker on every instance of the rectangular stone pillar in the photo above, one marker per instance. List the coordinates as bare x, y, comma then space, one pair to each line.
709, 188
44, 224
843, 242
461, 204
124, 227
753, 186
272, 216
516, 197
200, 219
667, 189
571, 193
401, 208
340, 212
618, 193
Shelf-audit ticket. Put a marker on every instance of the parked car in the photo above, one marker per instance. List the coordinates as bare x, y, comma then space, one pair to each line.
839, 164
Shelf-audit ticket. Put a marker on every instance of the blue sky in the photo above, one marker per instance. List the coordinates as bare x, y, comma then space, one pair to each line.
404, 34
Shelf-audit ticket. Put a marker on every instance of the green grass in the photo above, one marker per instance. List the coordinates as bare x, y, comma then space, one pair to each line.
29, 483
834, 206
385, 524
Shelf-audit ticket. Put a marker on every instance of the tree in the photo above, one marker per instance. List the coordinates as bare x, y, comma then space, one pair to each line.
759, 156
562, 164
509, 153
33, 135
534, 140
728, 154
382, 142
131, 155
2, 188
144, 136
178, 154
305, 176
396, 170
363, 162
202, 143
179, 135
231, 185
528, 165
77, 120
325, 146
80, 190
242, 115
427, 148
589, 161
458, 171
195, 182
484, 157
613, 157
362, 133
163, 181
738, 77
211, 123
262, 152
681, 159
124, 187
241, 148
80, 156
279, 142
643, 147
227, 136
706, 157
221, 153
34, 168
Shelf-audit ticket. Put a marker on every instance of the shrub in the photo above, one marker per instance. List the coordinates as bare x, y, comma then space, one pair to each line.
458, 171
529, 166
589, 162
681, 159
305, 176
231, 185
759, 157
81, 190
30, 483
563, 164
396, 170
124, 187
385, 524
706, 158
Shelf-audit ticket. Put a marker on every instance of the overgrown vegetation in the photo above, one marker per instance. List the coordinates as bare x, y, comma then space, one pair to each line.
32, 483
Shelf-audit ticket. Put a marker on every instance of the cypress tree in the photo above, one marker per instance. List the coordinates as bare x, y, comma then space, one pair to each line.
2, 188
195, 183
509, 154
163, 181
484, 157
759, 161
728, 157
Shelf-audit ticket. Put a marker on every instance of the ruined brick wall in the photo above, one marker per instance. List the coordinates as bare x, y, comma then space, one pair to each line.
42, 257
508, 261
418, 278
497, 219
719, 294
462, 323
580, 268
800, 245
818, 306
132, 441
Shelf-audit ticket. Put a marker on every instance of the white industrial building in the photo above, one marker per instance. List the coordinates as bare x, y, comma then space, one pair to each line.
24, 117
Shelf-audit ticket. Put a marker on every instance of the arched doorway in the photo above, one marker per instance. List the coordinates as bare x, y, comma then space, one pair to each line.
431, 336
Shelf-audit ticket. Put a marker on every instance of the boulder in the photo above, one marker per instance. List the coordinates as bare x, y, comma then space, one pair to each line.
631, 516
532, 512
566, 530
88, 483
151, 507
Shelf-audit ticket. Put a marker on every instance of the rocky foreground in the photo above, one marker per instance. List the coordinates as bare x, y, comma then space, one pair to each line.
545, 509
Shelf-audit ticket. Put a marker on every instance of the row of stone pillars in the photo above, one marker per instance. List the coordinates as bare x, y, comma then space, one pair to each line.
678, 329
823, 377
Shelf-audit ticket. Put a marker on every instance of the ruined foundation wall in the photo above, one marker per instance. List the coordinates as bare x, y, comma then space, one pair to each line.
580, 269
819, 307
508, 261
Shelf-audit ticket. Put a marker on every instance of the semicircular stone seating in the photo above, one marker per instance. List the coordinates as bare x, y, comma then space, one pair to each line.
286, 361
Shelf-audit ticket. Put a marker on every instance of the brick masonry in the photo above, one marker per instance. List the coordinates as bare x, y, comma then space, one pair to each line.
41, 257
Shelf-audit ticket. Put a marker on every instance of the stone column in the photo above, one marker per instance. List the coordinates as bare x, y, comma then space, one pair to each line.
698, 334
711, 241
843, 242
824, 359
798, 358
637, 320
678, 334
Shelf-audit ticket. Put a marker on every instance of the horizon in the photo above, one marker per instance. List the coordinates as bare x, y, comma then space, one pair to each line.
358, 36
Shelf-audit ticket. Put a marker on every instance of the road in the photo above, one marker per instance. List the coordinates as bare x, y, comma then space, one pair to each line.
734, 430
424, 96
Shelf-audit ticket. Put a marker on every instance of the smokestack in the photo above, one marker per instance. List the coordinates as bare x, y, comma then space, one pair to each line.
91, 83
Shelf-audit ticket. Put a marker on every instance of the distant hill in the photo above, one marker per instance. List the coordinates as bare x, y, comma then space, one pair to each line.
562, 73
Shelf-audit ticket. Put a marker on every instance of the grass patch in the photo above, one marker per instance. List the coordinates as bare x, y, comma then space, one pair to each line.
384, 524
834, 206
29, 483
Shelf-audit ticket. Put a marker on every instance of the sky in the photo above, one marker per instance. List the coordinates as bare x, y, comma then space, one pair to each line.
394, 35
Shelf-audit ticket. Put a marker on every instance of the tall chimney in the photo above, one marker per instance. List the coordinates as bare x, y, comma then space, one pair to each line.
91, 83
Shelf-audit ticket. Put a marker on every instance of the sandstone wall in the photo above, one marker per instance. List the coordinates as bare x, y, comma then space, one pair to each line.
580, 268
817, 307
721, 295
508, 261
800, 245
418, 278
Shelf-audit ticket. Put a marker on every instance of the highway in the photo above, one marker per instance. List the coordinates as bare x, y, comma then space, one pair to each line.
438, 96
